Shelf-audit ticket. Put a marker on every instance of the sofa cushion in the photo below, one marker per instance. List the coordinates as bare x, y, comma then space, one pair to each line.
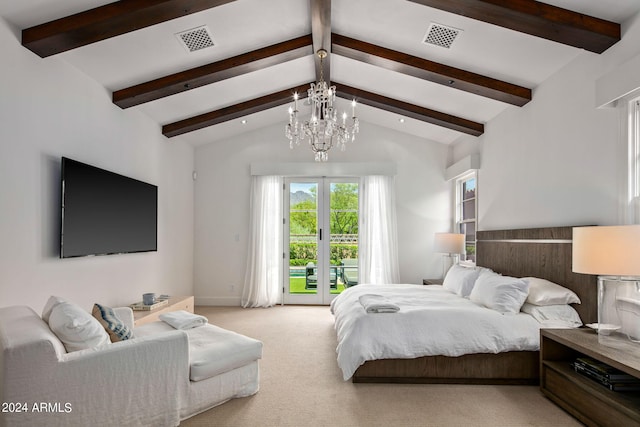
76, 328
111, 323
212, 350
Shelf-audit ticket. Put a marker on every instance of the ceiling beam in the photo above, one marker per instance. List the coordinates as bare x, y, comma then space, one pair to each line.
538, 19
321, 32
430, 71
282, 97
234, 111
107, 21
410, 110
214, 72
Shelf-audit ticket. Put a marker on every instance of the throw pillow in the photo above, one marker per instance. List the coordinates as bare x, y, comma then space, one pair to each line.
116, 329
49, 306
76, 328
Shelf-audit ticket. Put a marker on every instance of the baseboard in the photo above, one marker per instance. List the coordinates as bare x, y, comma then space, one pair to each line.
219, 301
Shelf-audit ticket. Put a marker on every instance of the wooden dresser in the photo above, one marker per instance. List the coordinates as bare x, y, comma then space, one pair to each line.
175, 303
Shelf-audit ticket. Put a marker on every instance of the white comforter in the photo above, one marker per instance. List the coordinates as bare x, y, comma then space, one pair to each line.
431, 321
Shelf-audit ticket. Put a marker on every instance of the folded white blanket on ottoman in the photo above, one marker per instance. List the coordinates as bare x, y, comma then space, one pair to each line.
182, 319
377, 304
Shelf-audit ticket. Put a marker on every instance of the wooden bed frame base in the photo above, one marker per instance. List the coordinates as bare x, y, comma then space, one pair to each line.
516, 367
536, 252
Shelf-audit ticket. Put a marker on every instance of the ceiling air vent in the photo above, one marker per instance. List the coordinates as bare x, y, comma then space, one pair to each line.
195, 38
441, 35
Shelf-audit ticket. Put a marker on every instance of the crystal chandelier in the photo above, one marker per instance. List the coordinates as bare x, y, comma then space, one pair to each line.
322, 130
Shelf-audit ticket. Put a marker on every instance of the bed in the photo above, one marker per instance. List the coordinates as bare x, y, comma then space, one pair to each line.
538, 252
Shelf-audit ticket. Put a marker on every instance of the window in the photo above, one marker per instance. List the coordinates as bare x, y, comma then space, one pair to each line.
466, 197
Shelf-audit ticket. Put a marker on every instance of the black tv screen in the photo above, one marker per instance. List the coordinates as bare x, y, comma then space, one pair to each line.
105, 213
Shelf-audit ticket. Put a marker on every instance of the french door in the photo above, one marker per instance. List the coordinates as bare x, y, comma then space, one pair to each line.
320, 238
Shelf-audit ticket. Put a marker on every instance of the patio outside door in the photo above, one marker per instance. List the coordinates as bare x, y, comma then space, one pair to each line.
321, 235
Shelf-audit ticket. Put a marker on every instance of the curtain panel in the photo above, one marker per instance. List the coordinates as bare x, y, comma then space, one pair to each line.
263, 275
378, 251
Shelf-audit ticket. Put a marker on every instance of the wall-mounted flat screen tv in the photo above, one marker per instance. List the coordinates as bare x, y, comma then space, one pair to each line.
104, 213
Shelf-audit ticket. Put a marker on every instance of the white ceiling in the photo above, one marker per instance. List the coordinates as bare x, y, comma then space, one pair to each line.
246, 25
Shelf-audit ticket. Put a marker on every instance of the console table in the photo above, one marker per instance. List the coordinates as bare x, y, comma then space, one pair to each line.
175, 303
585, 399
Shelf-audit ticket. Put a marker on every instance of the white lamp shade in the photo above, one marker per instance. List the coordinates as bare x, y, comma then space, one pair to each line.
607, 251
449, 243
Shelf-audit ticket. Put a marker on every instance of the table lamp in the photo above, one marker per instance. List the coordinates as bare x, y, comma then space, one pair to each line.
451, 244
612, 253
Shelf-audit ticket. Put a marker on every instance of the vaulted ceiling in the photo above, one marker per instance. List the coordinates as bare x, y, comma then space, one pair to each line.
264, 51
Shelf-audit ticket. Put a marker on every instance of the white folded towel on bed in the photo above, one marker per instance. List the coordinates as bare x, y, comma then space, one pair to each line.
373, 303
182, 319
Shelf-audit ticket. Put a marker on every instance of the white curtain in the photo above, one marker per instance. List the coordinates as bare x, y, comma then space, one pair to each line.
263, 276
378, 251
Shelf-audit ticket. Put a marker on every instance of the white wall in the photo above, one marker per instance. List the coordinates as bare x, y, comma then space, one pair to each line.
558, 160
49, 109
222, 201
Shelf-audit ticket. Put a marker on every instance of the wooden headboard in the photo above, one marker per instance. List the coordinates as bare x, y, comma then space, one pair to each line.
539, 252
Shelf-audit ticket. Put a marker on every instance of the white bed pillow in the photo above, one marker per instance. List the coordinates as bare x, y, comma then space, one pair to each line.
544, 292
554, 316
76, 328
504, 294
460, 280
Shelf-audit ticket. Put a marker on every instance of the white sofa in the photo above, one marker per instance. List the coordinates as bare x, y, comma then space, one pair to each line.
158, 378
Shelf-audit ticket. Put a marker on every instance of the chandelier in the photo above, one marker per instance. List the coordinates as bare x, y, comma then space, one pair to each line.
322, 130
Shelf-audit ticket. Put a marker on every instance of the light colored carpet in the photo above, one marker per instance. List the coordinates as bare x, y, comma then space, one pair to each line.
301, 384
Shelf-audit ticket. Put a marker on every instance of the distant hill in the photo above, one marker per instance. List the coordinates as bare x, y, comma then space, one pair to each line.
299, 196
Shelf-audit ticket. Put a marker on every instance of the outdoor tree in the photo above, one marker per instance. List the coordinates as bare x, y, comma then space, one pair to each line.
343, 220
343, 214
303, 218
344, 208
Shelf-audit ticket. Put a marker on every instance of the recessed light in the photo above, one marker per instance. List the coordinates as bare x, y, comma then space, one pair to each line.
401, 120
243, 121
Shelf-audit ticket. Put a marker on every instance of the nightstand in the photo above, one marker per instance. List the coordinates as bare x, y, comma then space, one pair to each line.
432, 281
584, 398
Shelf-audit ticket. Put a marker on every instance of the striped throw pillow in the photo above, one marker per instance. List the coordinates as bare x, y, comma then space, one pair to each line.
117, 330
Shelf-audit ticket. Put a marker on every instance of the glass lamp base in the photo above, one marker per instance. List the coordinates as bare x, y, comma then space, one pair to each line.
618, 309
447, 262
